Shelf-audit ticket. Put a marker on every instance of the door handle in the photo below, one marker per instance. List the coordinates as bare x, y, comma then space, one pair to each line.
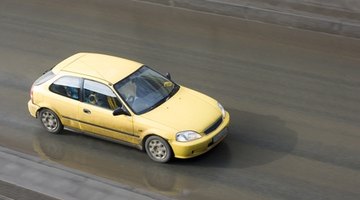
87, 111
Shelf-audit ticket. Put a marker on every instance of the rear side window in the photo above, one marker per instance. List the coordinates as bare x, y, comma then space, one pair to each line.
45, 77
67, 86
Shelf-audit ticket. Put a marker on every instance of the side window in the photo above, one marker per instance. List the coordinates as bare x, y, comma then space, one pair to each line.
100, 95
67, 86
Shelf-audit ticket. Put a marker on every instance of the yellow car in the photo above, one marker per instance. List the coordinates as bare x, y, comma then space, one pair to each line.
127, 102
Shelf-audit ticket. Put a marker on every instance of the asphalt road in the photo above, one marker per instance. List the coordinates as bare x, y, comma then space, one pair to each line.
294, 97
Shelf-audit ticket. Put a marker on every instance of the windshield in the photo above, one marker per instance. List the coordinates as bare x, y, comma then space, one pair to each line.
145, 89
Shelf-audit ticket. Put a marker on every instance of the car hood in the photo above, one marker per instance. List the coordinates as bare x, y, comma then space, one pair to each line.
186, 110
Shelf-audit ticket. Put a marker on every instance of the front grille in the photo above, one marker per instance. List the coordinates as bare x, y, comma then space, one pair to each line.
214, 126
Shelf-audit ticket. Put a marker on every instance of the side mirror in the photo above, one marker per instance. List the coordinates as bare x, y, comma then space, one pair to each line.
121, 111
168, 76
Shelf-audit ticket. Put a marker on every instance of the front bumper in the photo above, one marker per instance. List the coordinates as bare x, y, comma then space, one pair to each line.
32, 108
203, 144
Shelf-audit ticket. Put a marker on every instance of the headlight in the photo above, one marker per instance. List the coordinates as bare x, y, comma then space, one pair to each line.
185, 136
223, 112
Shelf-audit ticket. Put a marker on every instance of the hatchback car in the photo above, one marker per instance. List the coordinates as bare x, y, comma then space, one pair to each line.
127, 102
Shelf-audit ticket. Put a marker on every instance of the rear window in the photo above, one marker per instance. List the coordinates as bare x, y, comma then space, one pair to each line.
45, 77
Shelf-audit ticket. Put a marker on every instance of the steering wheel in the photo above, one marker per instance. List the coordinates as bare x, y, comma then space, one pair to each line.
93, 99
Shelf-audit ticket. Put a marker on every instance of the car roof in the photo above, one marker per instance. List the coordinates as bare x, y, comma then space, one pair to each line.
109, 68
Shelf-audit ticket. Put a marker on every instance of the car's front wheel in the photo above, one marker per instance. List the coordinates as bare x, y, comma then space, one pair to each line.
158, 149
50, 121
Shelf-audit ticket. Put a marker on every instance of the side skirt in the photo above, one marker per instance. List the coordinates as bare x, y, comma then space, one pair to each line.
95, 135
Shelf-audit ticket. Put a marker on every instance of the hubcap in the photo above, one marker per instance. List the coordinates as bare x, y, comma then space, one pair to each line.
157, 149
49, 121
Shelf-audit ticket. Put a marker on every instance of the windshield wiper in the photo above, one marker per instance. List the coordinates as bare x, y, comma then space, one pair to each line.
173, 92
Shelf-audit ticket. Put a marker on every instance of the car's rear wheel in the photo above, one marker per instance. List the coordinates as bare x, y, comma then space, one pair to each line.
50, 121
158, 149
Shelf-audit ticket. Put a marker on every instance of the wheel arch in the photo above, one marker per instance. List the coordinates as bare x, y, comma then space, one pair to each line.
46, 107
143, 141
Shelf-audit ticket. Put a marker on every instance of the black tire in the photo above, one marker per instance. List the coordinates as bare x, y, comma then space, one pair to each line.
50, 121
158, 149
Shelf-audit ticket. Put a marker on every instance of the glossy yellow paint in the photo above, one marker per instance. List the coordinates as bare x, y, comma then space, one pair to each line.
186, 110
105, 67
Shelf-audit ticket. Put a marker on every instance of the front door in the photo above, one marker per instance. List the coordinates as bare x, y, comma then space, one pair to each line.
95, 113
